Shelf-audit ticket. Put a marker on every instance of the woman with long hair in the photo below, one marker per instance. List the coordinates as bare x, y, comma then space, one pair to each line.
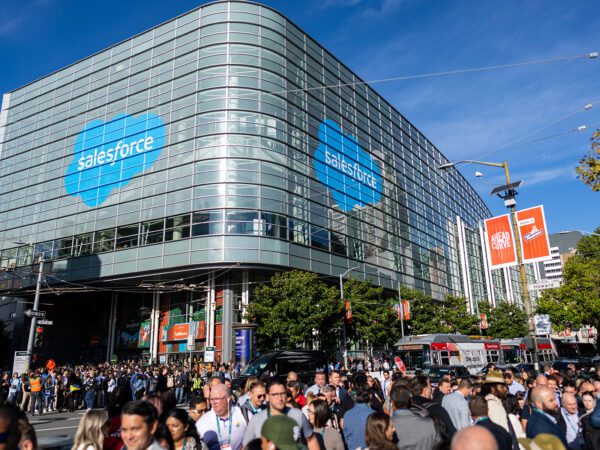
91, 431
319, 415
183, 430
379, 433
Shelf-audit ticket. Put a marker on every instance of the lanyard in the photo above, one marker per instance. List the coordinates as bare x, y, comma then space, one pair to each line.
254, 410
219, 426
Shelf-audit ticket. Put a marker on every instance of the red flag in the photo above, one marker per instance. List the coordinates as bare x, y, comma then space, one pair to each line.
400, 364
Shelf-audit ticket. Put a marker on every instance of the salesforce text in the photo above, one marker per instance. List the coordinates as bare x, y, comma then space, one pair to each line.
352, 170
110, 156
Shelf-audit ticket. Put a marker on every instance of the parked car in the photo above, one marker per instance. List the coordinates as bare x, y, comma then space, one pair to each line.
436, 373
278, 363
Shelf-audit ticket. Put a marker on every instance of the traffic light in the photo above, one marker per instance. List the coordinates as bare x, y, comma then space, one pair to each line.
39, 337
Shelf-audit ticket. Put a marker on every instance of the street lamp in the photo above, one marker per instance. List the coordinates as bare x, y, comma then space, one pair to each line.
510, 203
342, 275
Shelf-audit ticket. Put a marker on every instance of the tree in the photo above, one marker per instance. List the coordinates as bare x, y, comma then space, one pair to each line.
373, 316
295, 309
456, 317
425, 313
589, 165
577, 301
505, 321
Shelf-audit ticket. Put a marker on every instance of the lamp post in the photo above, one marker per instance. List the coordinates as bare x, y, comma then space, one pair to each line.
510, 203
342, 275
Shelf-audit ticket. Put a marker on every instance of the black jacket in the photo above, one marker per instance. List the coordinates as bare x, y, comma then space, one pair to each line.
502, 437
436, 411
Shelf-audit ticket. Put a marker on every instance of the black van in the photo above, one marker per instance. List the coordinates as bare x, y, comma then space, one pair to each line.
278, 363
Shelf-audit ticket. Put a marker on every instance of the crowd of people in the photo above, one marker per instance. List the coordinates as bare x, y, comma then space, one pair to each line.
132, 407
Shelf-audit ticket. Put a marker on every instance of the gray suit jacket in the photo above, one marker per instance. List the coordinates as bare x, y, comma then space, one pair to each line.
414, 432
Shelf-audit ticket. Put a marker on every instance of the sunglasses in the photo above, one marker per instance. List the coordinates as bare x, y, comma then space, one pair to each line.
261, 396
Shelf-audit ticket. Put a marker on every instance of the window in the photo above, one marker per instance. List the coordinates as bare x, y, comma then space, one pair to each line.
127, 236
152, 232
104, 241
177, 227
82, 244
208, 222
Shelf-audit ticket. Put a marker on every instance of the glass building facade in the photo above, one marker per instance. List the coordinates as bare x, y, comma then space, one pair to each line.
177, 168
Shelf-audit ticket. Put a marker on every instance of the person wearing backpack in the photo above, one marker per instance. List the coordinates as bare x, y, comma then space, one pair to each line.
420, 388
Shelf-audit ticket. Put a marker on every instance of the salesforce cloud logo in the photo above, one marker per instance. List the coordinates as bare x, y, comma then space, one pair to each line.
107, 156
350, 173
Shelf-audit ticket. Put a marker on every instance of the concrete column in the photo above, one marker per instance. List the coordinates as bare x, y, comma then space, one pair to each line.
227, 325
154, 322
112, 325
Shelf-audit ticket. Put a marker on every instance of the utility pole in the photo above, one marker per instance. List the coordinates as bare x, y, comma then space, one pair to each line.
36, 304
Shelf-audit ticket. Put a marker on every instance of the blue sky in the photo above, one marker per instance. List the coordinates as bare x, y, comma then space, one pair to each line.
472, 115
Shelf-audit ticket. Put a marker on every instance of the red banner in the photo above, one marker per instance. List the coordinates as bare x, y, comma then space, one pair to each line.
406, 309
533, 234
484, 322
500, 241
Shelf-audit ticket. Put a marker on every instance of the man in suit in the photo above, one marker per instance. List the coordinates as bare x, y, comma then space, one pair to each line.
413, 432
543, 418
478, 408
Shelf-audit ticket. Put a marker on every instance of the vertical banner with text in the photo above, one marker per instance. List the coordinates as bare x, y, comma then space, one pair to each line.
500, 241
533, 234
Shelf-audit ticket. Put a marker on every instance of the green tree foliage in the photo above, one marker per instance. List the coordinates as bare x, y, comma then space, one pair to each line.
425, 313
456, 317
295, 309
373, 316
505, 321
577, 301
588, 169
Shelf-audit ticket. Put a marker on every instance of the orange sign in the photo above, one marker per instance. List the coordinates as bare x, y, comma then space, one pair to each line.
484, 323
533, 234
180, 331
50, 365
500, 242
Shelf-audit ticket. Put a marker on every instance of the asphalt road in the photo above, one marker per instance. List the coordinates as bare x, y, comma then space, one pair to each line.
56, 429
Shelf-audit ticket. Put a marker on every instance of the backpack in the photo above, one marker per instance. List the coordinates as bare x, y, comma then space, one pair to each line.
423, 411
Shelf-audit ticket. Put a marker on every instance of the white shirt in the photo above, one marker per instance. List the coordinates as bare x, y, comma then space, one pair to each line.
572, 422
214, 430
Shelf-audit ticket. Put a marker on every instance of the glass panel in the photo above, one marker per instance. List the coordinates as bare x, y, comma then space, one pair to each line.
152, 232
127, 236
177, 227
104, 241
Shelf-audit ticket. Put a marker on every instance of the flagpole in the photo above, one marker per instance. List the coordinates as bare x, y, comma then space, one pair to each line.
401, 311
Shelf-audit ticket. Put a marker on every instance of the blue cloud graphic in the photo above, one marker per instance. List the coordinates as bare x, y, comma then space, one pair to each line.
107, 156
348, 171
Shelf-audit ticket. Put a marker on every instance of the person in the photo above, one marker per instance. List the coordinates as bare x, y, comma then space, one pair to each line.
224, 425
386, 384
542, 419
255, 402
10, 431
118, 398
474, 438
246, 395
49, 392
478, 408
568, 421
295, 388
513, 385
91, 430
457, 405
89, 389
588, 401
25, 392
183, 430
198, 407
139, 422
279, 433
35, 383
355, 419
15, 388
74, 388
319, 417
494, 391
319, 383
513, 407
276, 396
413, 432
341, 393
379, 433
28, 437
444, 388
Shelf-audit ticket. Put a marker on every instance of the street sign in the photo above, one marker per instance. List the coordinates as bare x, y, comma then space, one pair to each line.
544, 284
542, 323
21, 362
35, 313
45, 322
191, 337
209, 354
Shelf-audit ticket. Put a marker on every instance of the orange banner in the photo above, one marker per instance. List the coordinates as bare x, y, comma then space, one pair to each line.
180, 331
533, 234
406, 309
500, 242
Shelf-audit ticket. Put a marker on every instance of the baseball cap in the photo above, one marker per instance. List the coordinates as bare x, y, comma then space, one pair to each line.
282, 431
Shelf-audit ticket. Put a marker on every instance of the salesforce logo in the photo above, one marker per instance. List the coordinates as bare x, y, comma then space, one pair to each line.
350, 173
107, 156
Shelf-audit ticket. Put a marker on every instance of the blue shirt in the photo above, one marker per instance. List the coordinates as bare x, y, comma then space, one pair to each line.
355, 424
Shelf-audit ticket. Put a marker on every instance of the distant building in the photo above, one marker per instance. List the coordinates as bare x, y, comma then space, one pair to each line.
563, 245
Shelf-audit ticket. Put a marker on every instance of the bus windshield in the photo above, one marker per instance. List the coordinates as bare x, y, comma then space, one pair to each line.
414, 359
511, 356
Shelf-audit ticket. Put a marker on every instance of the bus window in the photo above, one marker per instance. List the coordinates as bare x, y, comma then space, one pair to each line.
444, 358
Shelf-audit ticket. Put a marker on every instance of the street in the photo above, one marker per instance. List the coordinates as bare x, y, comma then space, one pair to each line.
56, 429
